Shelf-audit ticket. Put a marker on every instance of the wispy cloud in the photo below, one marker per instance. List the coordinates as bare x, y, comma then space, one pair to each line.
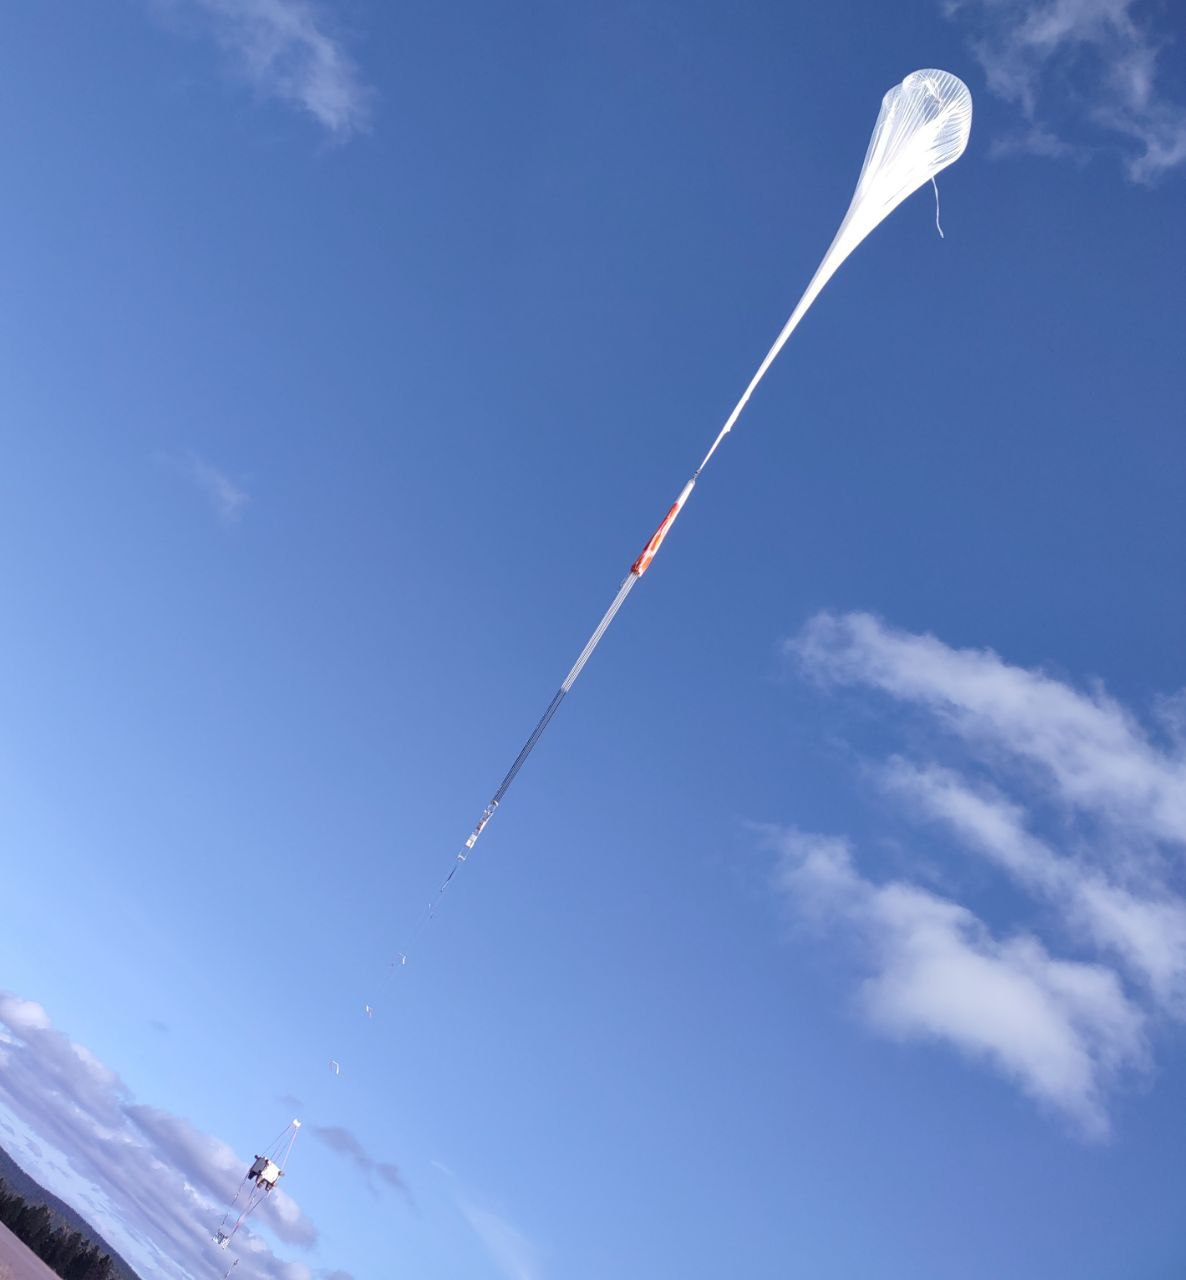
347, 1144
515, 1255
227, 498
512, 1252
150, 1178
1061, 1029
1068, 796
1037, 140
1145, 929
287, 50
1099, 58
1090, 751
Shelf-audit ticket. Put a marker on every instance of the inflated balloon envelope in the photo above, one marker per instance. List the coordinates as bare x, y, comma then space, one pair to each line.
923, 127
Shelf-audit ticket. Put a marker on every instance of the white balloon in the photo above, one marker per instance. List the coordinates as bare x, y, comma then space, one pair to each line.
923, 126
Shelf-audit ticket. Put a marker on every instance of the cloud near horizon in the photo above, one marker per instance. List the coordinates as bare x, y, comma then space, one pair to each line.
1065, 796
1100, 56
154, 1185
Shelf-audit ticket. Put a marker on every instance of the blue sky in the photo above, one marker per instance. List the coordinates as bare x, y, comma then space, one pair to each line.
351, 353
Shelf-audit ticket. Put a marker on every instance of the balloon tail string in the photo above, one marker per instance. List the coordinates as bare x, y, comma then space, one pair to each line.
938, 228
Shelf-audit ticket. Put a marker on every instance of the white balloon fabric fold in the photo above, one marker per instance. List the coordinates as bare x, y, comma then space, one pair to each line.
923, 127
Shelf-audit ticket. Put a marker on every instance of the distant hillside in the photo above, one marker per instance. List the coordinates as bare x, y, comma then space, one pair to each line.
26, 1185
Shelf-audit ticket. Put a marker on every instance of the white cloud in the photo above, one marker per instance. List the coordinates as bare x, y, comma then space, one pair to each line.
512, 1252
1091, 751
226, 497
286, 50
160, 1185
22, 1015
1102, 55
1061, 1029
1073, 800
1145, 930
1037, 140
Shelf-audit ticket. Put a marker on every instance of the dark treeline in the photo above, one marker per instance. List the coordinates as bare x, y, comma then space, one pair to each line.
69, 1253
